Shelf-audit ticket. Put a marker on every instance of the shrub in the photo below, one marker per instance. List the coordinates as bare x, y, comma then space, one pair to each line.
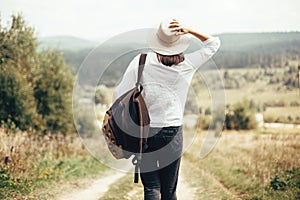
275, 103
204, 122
288, 179
241, 116
294, 103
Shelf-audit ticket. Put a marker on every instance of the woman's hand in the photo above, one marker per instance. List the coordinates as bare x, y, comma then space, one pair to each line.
175, 26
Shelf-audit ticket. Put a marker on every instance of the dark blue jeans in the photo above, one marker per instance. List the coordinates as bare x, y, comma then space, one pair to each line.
160, 163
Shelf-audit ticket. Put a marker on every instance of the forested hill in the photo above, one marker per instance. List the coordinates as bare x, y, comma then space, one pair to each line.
274, 42
238, 50
66, 43
258, 49
231, 42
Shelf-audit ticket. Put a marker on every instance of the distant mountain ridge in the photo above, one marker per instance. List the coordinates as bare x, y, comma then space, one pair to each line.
231, 42
247, 41
63, 43
238, 50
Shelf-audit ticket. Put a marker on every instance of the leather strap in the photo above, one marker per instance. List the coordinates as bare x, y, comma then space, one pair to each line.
138, 157
141, 68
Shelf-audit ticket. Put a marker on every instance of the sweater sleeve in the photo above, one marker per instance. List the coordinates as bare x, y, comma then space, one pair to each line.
129, 78
199, 57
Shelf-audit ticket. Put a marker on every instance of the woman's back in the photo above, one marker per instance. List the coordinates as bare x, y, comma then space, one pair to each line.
166, 87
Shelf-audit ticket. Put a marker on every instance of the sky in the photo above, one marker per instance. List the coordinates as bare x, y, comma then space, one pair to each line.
97, 19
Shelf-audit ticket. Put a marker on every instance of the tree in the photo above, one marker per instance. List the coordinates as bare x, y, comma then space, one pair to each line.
18, 107
52, 91
17, 67
35, 87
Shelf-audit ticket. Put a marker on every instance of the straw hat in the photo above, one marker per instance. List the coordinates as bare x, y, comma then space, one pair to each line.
165, 42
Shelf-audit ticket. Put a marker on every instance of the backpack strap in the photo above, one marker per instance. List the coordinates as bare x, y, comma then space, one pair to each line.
141, 68
136, 161
138, 157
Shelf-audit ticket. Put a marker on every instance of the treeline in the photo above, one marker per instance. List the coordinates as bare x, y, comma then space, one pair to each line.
35, 86
258, 50
285, 77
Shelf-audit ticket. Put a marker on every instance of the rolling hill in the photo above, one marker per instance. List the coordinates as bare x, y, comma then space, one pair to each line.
231, 42
66, 43
238, 50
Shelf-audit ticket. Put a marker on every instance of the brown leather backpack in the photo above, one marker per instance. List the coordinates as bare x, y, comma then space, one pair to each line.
126, 123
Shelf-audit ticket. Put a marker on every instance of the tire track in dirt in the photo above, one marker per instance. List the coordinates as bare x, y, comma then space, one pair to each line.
184, 191
96, 189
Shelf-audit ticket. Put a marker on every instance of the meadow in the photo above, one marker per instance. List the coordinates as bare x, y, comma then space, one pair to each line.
254, 165
31, 165
261, 164
276, 101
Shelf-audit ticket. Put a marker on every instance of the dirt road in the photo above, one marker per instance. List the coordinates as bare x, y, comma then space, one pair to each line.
194, 183
190, 187
95, 189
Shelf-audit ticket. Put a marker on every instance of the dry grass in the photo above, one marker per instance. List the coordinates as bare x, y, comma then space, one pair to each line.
28, 162
247, 162
283, 112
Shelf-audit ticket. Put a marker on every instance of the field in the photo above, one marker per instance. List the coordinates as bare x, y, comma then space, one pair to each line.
258, 164
253, 165
243, 165
32, 166
277, 102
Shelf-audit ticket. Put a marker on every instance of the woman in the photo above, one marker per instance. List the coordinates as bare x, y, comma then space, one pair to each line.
166, 79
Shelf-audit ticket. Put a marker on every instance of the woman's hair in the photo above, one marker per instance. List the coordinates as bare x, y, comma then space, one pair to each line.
170, 60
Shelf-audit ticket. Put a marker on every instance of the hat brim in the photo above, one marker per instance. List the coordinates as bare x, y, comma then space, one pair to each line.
164, 48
